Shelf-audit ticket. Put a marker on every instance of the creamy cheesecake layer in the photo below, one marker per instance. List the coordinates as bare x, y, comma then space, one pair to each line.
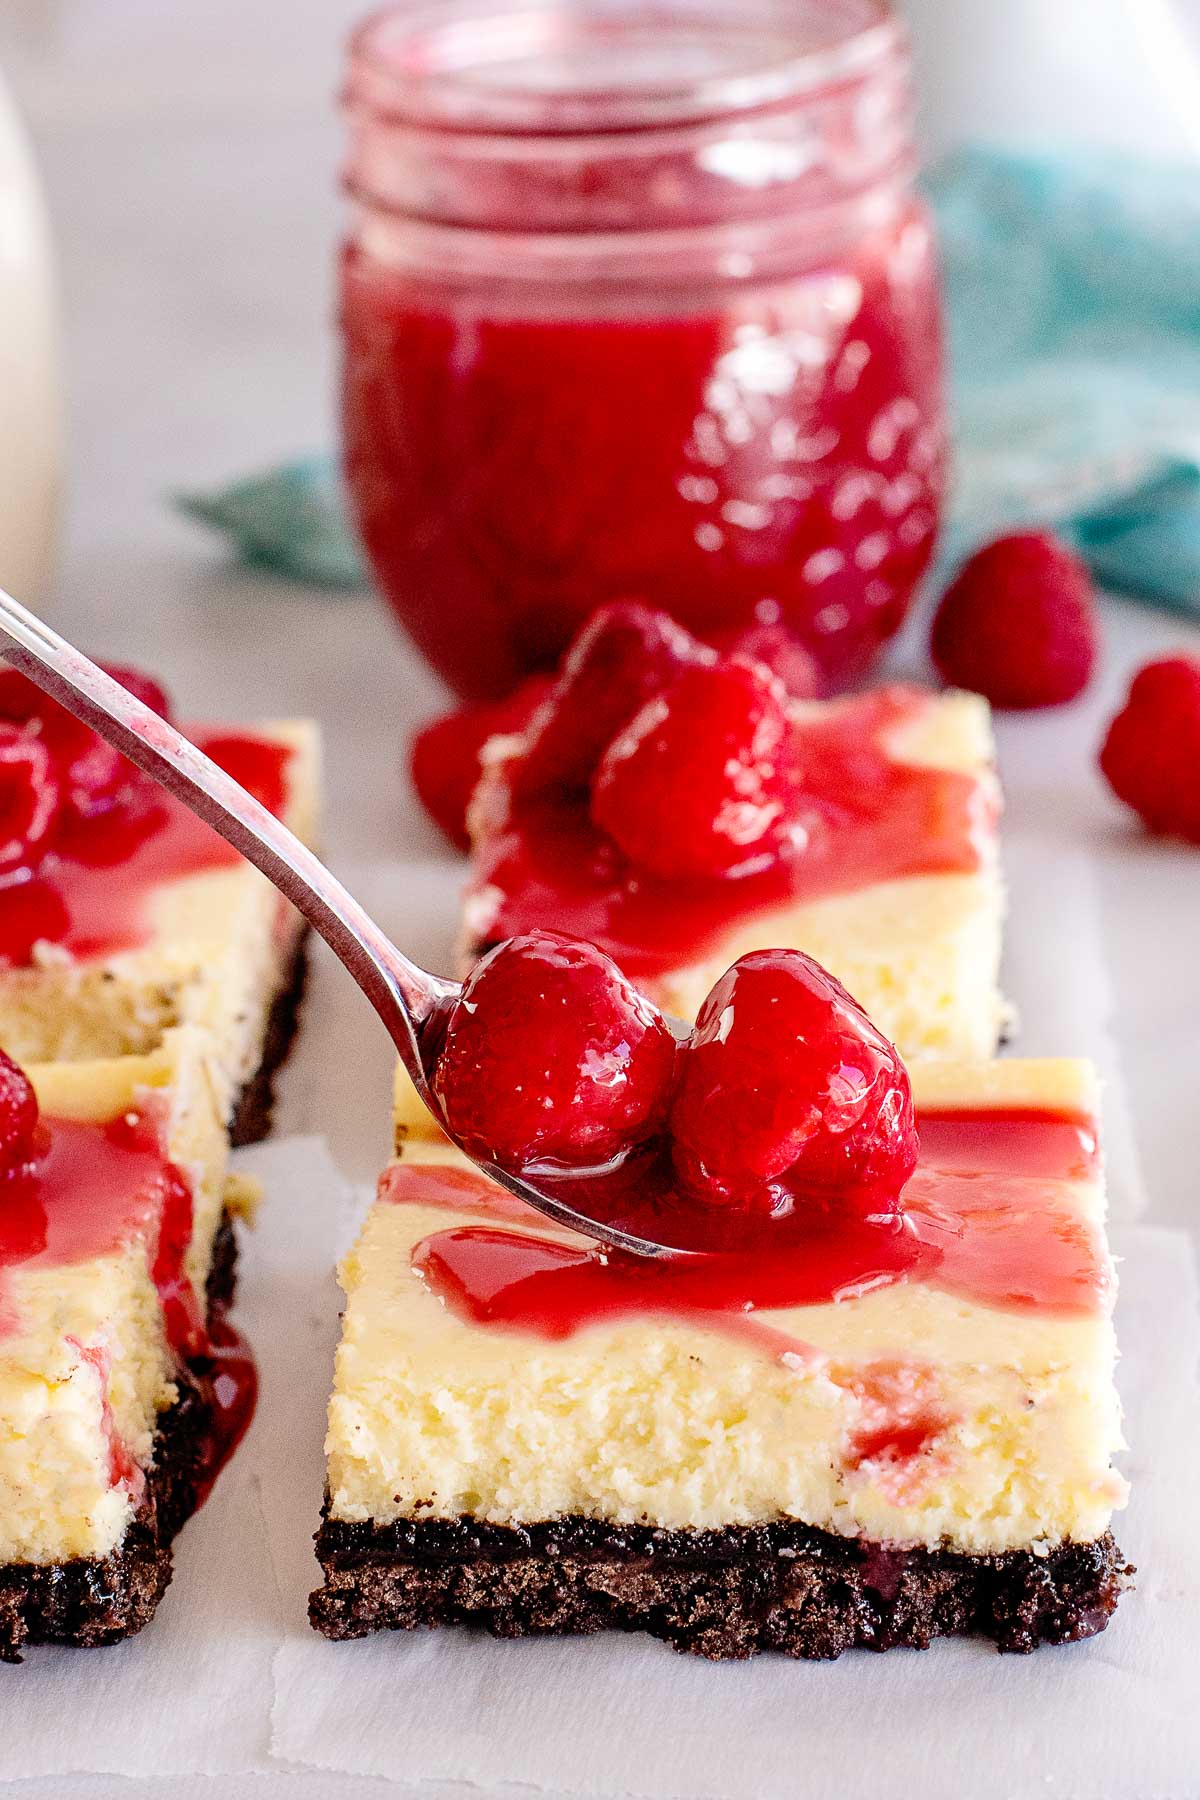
85, 1365
1011, 1416
920, 954
220, 945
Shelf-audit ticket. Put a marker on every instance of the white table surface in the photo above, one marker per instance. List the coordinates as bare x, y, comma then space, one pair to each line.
189, 158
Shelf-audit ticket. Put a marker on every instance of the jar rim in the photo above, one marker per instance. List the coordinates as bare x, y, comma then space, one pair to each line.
444, 66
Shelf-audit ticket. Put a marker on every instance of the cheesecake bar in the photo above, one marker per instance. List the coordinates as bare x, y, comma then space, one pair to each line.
891, 880
116, 1265
899, 1437
160, 924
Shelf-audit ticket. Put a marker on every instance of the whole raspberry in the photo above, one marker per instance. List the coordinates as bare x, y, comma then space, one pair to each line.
781, 651
92, 774
443, 757
551, 1056
702, 781
30, 799
143, 687
787, 1095
1151, 756
20, 698
624, 655
18, 1116
1018, 624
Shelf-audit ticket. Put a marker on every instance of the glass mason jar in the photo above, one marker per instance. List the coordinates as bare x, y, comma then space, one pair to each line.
638, 302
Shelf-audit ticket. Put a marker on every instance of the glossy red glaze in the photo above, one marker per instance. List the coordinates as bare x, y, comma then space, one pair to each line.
93, 1187
865, 818
1018, 1140
230, 1378
1001, 1233
183, 1315
91, 894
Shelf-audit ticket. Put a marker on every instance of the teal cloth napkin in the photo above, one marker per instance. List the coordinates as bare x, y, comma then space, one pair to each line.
1073, 294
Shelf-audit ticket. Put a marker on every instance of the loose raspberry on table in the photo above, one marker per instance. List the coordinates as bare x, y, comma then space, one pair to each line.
1018, 624
18, 1116
1151, 755
788, 1096
30, 799
444, 755
703, 780
624, 655
551, 1056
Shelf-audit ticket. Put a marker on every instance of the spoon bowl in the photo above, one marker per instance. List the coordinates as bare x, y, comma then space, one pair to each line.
406, 998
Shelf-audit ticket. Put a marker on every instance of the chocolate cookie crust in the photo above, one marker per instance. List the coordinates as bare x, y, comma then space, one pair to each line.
99, 1600
255, 1104
717, 1594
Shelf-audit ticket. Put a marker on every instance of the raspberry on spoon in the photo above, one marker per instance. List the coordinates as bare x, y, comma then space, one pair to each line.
551, 1055
18, 1116
624, 655
702, 781
30, 798
1151, 756
1018, 624
787, 1095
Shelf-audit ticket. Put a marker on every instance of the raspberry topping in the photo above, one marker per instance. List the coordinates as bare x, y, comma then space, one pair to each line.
444, 755
143, 687
703, 780
788, 1094
550, 1055
1151, 756
781, 651
624, 655
1018, 625
97, 778
93, 777
30, 797
18, 1116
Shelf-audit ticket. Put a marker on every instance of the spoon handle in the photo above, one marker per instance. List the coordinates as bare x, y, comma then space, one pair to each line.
401, 993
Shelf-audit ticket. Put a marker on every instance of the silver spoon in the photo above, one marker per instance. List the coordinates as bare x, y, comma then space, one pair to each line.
403, 995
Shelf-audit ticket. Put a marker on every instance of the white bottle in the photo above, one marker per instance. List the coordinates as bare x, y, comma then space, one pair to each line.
30, 396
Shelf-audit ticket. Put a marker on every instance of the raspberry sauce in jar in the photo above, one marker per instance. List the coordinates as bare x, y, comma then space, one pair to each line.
638, 302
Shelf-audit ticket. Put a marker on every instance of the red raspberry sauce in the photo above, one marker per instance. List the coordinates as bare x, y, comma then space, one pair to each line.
93, 1187
714, 447
96, 902
869, 818
985, 1217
